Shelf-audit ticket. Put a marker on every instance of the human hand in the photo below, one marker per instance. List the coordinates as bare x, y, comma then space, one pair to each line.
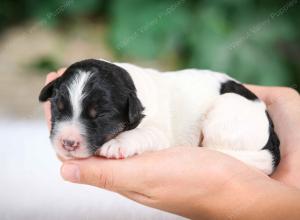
283, 105
47, 109
192, 182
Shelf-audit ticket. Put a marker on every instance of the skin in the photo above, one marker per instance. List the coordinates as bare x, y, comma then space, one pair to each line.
198, 183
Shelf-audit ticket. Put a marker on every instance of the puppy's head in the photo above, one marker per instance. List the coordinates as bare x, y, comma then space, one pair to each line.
92, 102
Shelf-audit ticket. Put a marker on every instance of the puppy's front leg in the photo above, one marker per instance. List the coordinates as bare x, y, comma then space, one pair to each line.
133, 142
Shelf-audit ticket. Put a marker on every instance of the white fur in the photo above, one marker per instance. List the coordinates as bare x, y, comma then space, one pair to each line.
76, 92
72, 128
182, 105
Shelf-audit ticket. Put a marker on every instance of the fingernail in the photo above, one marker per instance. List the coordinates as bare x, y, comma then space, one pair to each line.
70, 172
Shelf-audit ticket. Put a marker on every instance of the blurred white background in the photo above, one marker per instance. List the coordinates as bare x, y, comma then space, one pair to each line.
31, 187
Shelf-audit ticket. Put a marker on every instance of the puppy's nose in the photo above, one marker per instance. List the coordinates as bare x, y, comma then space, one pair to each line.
68, 142
70, 145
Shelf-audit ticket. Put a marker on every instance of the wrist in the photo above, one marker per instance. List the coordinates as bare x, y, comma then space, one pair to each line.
254, 197
235, 198
269, 200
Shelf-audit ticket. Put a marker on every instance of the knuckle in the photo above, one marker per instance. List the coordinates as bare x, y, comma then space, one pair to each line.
98, 179
61, 71
108, 183
289, 92
103, 180
50, 76
282, 94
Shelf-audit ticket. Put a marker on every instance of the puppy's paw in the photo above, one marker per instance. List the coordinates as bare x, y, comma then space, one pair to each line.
117, 149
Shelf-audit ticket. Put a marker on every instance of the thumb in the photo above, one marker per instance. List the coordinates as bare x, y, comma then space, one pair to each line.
114, 175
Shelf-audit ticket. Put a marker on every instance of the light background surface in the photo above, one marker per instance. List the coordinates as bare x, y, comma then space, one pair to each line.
31, 187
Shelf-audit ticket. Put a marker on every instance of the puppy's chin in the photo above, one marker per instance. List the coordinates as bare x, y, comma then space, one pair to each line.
72, 156
69, 155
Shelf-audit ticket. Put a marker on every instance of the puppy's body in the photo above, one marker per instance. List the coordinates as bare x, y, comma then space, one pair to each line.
183, 108
187, 108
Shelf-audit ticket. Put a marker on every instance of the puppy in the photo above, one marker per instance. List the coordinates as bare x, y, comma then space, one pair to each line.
117, 110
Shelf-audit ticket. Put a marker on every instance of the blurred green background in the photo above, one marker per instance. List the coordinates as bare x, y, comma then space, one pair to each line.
254, 41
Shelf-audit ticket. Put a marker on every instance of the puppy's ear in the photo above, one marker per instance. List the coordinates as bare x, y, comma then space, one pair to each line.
47, 91
135, 110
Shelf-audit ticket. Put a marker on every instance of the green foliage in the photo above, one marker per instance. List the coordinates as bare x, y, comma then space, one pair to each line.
45, 64
237, 37
147, 29
49, 11
247, 39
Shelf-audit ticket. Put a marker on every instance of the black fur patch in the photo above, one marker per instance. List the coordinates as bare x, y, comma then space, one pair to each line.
234, 87
273, 143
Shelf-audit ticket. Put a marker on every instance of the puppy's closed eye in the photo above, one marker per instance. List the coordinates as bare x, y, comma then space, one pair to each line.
60, 105
92, 111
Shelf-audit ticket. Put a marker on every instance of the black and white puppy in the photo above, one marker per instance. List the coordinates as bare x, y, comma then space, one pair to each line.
118, 110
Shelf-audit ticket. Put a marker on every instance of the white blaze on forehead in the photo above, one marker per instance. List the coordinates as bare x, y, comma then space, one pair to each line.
76, 91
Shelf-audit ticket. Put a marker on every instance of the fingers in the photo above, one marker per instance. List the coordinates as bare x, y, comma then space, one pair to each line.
260, 91
50, 77
284, 107
62, 159
47, 112
47, 107
61, 71
114, 175
271, 95
53, 75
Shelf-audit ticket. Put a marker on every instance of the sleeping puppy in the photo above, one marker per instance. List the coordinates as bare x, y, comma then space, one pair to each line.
117, 110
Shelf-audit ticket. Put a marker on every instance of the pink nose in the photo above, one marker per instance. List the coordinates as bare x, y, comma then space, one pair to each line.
70, 145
